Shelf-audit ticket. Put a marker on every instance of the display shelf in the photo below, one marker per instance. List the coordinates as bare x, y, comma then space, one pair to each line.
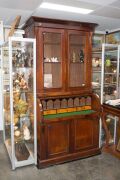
79, 45
110, 88
114, 61
76, 62
110, 72
52, 62
96, 87
21, 68
111, 49
95, 71
51, 43
109, 84
97, 52
19, 100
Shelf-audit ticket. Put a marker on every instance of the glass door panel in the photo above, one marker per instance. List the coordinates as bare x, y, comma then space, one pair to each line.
77, 44
52, 60
6, 97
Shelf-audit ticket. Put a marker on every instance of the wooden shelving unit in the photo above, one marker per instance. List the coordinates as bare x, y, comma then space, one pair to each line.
67, 111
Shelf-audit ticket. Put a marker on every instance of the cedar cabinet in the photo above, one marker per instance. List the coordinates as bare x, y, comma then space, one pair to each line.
63, 74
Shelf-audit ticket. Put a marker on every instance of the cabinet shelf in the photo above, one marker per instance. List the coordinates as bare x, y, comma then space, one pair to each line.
96, 71
52, 43
22, 68
21, 118
52, 62
23, 91
97, 52
25, 115
110, 73
76, 62
79, 45
96, 88
16, 91
111, 50
110, 84
113, 61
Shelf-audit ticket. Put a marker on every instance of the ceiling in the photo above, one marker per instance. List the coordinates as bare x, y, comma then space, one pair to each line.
106, 13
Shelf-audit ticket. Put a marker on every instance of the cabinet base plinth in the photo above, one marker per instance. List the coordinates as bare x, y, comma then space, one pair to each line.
67, 158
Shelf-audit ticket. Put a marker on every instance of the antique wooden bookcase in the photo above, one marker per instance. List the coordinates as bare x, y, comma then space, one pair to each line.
67, 111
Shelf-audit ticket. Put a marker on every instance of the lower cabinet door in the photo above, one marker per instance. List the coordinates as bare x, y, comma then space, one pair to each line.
57, 138
86, 134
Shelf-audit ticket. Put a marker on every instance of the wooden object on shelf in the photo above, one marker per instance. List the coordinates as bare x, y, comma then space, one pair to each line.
21, 151
14, 25
67, 111
111, 110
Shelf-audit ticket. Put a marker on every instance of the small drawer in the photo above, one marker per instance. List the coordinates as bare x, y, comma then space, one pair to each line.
71, 109
62, 110
87, 107
79, 108
53, 111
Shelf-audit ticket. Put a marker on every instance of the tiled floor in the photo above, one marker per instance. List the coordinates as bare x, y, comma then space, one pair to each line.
101, 167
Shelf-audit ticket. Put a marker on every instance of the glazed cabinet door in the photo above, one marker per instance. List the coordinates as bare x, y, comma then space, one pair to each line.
79, 62
86, 134
51, 60
57, 139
